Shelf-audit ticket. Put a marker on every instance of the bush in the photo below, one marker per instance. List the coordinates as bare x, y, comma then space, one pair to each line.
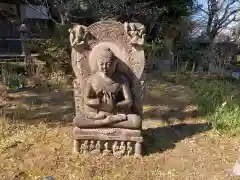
16, 81
226, 119
217, 100
210, 94
54, 51
153, 51
57, 80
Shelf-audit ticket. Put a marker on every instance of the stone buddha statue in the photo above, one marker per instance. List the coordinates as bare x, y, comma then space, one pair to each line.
107, 96
108, 61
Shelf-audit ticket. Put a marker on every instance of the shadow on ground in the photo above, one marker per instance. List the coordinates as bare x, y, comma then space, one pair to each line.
167, 113
167, 101
161, 139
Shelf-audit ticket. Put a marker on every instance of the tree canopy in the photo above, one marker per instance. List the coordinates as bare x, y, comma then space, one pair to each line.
155, 14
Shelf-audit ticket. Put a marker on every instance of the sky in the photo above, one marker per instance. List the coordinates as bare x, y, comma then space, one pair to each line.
201, 14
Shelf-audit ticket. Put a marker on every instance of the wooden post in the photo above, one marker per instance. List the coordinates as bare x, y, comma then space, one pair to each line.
18, 8
2, 72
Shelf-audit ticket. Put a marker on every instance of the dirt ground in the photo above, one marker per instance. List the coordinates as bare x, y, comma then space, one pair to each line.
35, 140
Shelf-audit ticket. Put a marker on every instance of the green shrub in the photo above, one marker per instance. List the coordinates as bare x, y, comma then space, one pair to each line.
56, 80
16, 81
155, 47
211, 94
54, 51
226, 119
218, 101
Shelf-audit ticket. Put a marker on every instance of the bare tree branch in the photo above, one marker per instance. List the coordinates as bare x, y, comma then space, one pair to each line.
226, 23
203, 10
227, 9
221, 5
33, 7
220, 14
233, 13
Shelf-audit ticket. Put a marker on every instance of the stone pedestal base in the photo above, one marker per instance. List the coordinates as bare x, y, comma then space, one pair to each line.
108, 141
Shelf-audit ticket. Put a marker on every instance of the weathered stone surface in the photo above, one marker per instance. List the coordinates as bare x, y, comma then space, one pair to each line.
108, 61
108, 134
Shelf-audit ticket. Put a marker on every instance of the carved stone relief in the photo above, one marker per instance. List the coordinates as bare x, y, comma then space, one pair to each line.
108, 61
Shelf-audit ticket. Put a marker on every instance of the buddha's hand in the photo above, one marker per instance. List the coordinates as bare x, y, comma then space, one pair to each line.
93, 102
117, 118
79, 43
100, 115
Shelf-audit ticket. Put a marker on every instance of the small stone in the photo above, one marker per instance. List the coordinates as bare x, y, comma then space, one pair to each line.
190, 108
236, 168
49, 178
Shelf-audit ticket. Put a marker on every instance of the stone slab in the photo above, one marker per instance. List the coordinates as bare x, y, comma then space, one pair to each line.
108, 134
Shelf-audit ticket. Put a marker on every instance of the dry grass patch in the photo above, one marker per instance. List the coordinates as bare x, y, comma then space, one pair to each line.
177, 152
183, 149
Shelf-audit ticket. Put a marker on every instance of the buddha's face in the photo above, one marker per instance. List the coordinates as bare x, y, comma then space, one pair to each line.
106, 64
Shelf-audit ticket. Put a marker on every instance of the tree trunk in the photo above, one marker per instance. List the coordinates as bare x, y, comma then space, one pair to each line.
167, 54
61, 15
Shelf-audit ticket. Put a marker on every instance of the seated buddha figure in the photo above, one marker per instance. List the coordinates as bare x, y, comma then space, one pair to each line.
107, 97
